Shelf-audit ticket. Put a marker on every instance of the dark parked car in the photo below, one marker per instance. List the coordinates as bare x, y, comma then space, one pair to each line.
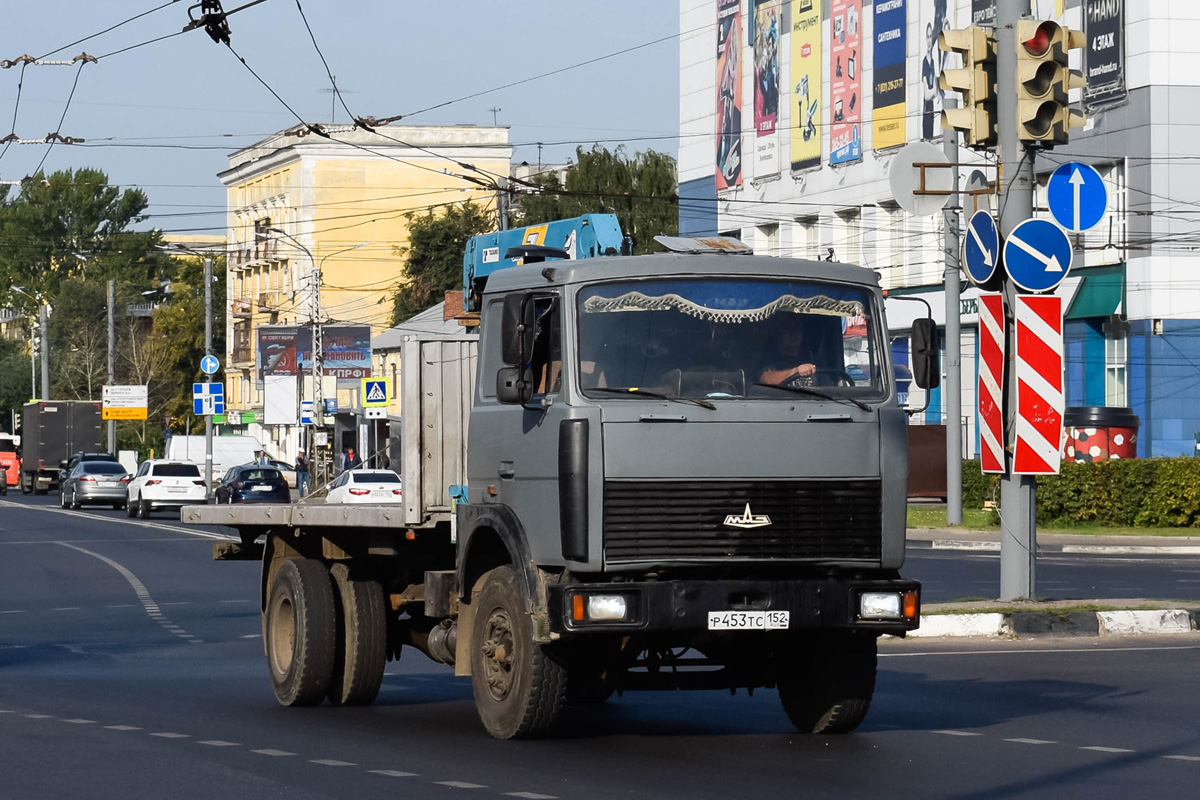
95, 483
253, 484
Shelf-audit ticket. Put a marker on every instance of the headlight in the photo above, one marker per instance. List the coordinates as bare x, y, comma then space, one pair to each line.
879, 605
606, 607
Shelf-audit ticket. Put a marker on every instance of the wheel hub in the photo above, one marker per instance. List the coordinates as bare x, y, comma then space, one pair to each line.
497, 648
283, 635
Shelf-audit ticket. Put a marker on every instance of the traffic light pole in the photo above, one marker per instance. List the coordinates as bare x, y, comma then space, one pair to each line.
208, 333
1018, 536
953, 393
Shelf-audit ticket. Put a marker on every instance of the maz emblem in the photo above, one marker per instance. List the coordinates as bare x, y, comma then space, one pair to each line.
747, 520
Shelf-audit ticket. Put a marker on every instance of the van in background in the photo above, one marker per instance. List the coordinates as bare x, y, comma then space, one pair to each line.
228, 451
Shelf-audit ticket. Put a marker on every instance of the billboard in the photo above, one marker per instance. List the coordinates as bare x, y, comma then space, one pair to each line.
891, 84
729, 94
935, 17
1104, 59
765, 19
806, 82
845, 82
287, 350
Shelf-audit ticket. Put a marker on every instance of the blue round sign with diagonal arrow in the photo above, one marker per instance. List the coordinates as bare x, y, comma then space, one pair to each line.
1037, 255
981, 249
1077, 196
209, 365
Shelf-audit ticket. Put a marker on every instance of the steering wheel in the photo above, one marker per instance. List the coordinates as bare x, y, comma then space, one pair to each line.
822, 377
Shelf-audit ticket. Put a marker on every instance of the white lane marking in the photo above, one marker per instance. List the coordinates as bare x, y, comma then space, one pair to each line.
1034, 651
957, 733
1099, 749
20, 611
123, 521
1019, 740
460, 785
67, 608
1183, 758
251, 636
392, 773
235, 601
6, 711
169, 735
122, 605
122, 728
81, 721
177, 603
37, 716
219, 743
269, 752
531, 795
139, 588
331, 762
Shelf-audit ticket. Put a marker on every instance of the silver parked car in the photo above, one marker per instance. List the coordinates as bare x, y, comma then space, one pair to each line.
95, 483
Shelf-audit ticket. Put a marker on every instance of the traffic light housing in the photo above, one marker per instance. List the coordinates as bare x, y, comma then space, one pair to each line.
975, 82
1045, 80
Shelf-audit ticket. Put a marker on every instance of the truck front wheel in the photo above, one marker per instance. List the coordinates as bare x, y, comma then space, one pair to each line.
826, 684
519, 685
361, 651
300, 630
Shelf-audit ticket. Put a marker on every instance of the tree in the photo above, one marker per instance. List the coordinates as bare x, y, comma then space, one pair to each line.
15, 386
79, 341
642, 191
434, 256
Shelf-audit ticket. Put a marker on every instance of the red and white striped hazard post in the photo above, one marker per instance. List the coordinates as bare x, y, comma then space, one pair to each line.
991, 383
1039, 368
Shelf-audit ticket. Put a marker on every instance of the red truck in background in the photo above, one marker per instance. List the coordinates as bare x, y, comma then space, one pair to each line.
10, 463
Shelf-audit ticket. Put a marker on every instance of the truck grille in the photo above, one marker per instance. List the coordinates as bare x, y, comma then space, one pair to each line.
658, 521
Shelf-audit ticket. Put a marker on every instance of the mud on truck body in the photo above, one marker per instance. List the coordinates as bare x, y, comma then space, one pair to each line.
602, 493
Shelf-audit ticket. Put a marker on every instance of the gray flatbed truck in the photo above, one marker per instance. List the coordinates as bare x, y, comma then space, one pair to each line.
667, 471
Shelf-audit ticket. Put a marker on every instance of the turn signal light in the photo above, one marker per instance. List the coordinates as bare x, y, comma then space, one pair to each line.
577, 608
910, 605
397, 491
359, 492
152, 482
87, 478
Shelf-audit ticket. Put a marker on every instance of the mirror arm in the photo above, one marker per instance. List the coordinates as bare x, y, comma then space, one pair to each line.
928, 315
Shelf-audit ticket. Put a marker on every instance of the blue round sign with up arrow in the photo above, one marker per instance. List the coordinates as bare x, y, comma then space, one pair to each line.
1037, 255
981, 248
1077, 197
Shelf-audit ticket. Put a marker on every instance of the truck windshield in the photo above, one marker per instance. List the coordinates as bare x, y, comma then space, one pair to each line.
730, 338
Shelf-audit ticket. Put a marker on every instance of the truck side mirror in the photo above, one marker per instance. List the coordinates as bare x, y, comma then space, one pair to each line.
927, 372
514, 385
517, 329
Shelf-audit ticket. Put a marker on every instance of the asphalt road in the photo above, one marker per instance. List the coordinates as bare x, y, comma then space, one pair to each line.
131, 667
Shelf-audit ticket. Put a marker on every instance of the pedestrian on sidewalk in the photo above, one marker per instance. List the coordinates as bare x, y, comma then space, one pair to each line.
302, 484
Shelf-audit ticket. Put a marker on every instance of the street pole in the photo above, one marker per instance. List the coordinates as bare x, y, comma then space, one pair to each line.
208, 420
317, 354
953, 393
1018, 535
112, 373
502, 204
33, 352
45, 319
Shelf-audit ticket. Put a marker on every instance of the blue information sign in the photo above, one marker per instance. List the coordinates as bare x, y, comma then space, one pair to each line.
208, 399
209, 365
1037, 255
1077, 196
981, 248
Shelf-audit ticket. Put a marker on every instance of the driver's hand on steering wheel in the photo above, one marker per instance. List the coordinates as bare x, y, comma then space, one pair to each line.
804, 370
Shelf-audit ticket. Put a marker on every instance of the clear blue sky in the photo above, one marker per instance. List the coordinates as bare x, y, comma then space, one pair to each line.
389, 56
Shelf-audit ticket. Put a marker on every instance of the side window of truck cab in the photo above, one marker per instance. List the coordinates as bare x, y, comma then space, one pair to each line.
547, 346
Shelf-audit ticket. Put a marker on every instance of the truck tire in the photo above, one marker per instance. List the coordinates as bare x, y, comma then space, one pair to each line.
520, 686
300, 632
25, 489
361, 651
827, 687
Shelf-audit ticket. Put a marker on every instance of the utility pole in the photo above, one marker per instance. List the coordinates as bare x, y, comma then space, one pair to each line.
317, 358
1018, 537
502, 204
208, 330
45, 322
112, 373
953, 393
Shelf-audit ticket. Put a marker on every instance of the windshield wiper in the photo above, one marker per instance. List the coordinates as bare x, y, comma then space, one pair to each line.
816, 393
678, 398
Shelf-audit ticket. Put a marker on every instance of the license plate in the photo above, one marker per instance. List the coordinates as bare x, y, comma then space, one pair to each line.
748, 620
260, 488
106, 483
180, 490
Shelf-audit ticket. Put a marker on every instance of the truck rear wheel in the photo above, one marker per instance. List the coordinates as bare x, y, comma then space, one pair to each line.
519, 685
26, 488
826, 685
361, 651
300, 632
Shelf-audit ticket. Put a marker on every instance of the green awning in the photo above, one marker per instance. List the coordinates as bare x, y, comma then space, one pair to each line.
1097, 296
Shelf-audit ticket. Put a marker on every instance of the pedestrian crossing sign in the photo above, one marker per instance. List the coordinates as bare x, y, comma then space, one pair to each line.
374, 392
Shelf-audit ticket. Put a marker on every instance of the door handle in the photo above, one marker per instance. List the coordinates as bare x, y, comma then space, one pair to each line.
506, 470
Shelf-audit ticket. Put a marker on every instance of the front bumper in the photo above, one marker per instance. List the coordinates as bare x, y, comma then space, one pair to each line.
683, 606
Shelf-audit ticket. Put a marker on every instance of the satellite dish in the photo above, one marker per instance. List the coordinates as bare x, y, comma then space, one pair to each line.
905, 179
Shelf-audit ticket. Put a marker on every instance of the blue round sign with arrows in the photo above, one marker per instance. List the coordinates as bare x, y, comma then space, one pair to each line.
981, 249
1077, 196
1037, 255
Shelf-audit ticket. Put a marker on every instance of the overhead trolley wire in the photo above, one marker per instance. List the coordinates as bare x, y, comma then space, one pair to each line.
110, 28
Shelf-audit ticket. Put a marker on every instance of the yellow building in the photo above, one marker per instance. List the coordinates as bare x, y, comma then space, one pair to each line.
301, 205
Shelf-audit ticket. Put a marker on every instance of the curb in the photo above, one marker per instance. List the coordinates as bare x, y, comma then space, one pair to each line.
1093, 549
1047, 623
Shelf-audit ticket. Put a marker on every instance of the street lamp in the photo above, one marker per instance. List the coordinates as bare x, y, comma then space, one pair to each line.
44, 348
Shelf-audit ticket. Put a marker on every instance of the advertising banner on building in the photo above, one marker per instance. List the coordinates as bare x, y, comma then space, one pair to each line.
729, 94
890, 130
845, 82
806, 82
983, 12
347, 352
287, 350
765, 19
1104, 55
935, 17
277, 350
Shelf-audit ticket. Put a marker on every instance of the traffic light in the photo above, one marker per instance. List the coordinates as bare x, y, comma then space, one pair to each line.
1044, 82
975, 117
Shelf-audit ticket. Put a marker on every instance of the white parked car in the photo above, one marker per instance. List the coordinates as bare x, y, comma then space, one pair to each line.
366, 486
160, 484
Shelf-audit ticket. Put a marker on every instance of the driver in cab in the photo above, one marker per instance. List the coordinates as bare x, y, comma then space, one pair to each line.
789, 359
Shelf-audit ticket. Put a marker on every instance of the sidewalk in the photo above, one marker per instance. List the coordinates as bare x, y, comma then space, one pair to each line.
1096, 617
